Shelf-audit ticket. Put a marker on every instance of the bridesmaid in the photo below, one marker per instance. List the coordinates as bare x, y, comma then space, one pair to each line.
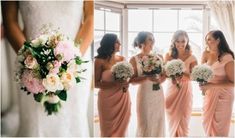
150, 103
114, 106
219, 93
179, 101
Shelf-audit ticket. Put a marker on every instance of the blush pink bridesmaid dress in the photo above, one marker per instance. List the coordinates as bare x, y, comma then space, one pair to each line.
179, 104
114, 109
218, 102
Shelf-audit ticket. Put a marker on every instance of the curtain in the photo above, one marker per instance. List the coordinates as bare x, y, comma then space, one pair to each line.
224, 13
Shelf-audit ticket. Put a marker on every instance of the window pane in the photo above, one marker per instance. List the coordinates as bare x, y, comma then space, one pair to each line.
112, 21
162, 42
197, 96
140, 20
165, 20
99, 19
98, 37
131, 50
190, 20
114, 32
196, 44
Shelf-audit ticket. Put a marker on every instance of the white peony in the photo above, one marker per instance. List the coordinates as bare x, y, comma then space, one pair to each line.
52, 83
41, 40
68, 80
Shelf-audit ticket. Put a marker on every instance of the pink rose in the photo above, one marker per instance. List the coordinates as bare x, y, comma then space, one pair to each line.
56, 67
32, 84
30, 62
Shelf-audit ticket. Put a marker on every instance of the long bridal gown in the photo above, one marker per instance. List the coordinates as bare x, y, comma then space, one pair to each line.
72, 119
150, 109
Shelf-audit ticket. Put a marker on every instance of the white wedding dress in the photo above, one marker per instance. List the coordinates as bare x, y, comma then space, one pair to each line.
72, 119
150, 108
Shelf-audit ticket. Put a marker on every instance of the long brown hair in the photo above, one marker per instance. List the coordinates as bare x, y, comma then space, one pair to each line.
223, 45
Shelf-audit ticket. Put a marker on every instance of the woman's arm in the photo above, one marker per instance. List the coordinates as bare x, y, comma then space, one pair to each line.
11, 25
98, 74
85, 33
229, 69
191, 66
135, 79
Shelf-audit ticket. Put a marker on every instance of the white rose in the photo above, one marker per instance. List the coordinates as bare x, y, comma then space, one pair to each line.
52, 83
30, 62
42, 39
68, 80
53, 99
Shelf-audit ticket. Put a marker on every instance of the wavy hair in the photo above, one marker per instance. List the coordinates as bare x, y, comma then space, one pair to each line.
107, 48
223, 45
141, 38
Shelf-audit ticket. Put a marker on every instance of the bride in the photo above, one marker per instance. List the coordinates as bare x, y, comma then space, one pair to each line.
74, 19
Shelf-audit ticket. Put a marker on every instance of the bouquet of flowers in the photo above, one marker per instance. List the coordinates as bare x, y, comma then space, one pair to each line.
174, 68
152, 65
201, 74
48, 67
122, 71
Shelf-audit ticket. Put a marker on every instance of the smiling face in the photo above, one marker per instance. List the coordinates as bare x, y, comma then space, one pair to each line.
147, 46
212, 43
181, 43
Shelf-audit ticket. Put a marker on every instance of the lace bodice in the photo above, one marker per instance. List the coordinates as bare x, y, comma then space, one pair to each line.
66, 15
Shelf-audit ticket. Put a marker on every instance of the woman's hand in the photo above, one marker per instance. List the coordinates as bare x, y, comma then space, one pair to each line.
154, 78
124, 85
184, 77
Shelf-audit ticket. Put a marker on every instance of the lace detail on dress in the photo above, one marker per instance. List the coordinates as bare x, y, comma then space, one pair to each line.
66, 15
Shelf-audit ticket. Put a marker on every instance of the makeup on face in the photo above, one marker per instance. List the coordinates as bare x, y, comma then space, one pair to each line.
211, 42
181, 42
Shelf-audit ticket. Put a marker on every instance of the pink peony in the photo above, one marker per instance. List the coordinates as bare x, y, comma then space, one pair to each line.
31, 83
66, 49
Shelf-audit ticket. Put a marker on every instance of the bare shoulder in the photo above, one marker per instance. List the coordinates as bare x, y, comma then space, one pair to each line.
119, 58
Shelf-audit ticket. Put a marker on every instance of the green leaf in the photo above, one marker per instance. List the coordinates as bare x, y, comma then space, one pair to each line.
52, 107
62, 95
79, 61
38, 97
78, 80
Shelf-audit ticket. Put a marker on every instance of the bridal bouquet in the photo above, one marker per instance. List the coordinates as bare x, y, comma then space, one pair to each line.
48, 67
201, 74
152, 65
122, 71
174, 69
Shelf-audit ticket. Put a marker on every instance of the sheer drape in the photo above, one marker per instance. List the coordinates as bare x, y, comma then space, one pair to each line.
223, 11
